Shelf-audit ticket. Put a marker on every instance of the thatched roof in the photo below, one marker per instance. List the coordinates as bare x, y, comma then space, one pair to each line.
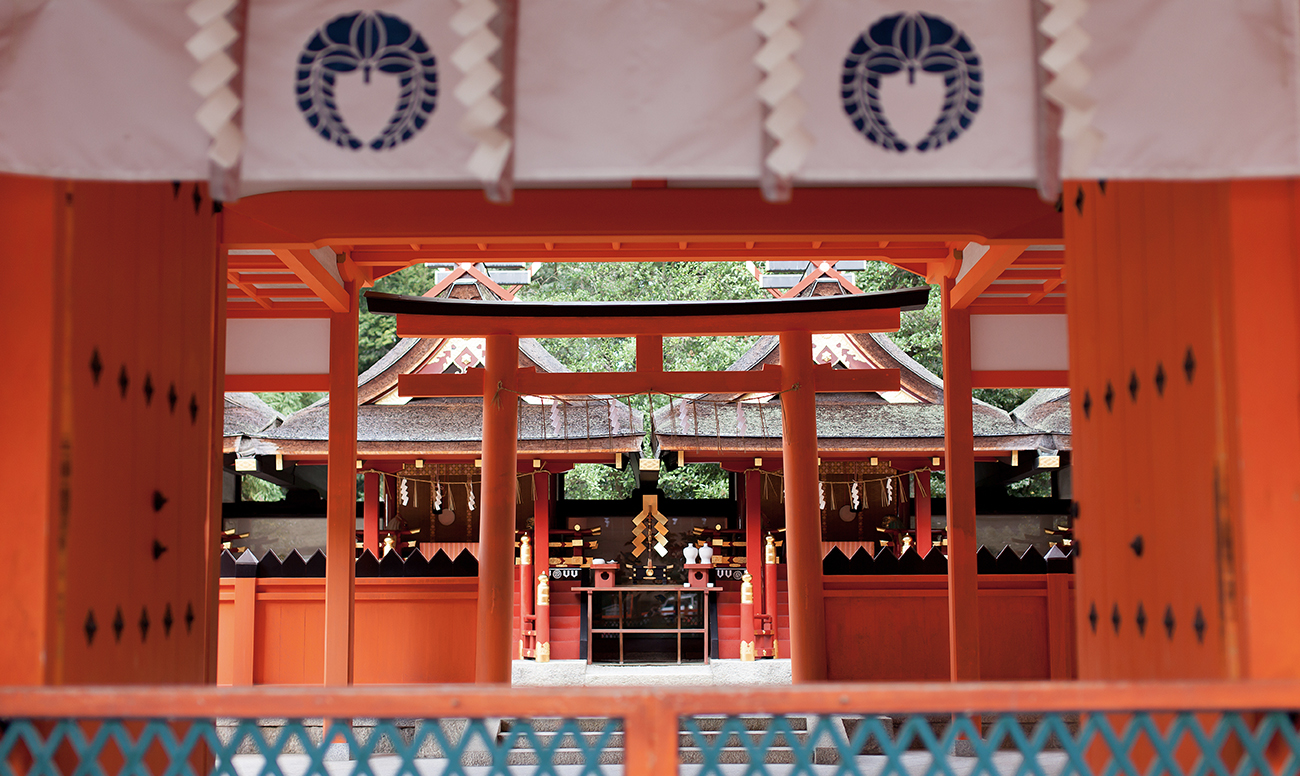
859, 422
850, 422
246, 415
455, 425
1047, 410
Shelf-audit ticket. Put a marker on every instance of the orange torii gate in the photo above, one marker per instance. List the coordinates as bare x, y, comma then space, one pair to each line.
501, 383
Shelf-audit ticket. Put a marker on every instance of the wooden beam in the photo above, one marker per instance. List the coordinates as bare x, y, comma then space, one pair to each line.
456, 273
427, 217
317, 278
681, 326
982, 275
534, 383
491, 284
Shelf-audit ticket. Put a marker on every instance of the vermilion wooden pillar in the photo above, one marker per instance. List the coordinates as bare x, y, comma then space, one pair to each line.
924, 538
541, 551
114, 332
496, 565
959, 452
802, 514
341, 501
370, 513
751, 490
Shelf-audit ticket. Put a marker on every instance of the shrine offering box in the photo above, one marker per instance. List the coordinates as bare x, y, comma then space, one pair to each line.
602, 574
697, 574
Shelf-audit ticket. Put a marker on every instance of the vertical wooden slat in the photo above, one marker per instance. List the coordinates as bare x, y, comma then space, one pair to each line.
31, 329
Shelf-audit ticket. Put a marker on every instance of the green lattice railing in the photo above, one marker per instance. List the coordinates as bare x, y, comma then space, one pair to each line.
106, 733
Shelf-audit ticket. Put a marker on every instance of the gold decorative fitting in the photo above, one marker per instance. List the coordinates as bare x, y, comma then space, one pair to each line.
543, 591
525, 552
746, 589
769, 553
543, 652
747, 651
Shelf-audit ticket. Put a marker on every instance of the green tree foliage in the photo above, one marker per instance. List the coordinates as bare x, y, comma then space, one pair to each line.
695, 480
378, 333
596, 481
255, 489
921, 332
643, 282
648, 281
288, 403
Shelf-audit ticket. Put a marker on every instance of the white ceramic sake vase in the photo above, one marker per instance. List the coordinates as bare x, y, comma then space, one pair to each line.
706, 554
690, 553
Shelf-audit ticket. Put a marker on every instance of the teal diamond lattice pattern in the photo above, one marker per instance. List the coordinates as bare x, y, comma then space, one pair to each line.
1053, 744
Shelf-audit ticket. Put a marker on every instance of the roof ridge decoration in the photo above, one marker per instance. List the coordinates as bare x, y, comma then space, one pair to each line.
214, 78
786, 142
1064, 60
482, 57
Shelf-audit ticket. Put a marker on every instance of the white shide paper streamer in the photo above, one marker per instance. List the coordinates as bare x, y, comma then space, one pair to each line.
777, 91
211, 80
483, 111
1063, 59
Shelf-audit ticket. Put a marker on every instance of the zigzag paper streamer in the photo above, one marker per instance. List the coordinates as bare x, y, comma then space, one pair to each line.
1063, 59
557, 425
821, 494
682, 415
483, 111
469, 496
613, 416
212, 79
853, 495
741, 425
777, 91
405, 492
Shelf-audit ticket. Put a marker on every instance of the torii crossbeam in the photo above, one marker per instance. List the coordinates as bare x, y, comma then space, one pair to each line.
501, 382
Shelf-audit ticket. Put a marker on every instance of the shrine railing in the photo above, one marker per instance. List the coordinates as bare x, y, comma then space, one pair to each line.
1023, 729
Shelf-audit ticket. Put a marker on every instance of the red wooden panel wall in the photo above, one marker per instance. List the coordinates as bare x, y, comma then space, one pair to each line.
895, 628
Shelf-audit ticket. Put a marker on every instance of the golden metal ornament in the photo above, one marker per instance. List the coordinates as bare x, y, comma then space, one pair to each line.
543, 590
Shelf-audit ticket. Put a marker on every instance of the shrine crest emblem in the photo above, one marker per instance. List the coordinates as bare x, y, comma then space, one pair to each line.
372, 42
908, 42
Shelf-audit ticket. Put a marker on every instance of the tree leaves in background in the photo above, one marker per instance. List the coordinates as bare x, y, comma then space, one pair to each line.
377, 334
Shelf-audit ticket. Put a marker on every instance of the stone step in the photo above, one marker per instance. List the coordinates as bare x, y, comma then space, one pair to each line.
750, 722
684, 739
570, 756
552, 724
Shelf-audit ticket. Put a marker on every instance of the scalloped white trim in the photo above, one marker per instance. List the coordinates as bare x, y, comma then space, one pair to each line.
483, 111
1080, 139
777, 91
211, 80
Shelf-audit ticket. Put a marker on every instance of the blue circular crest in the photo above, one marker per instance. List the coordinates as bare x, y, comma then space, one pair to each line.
367, 41
908, 41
